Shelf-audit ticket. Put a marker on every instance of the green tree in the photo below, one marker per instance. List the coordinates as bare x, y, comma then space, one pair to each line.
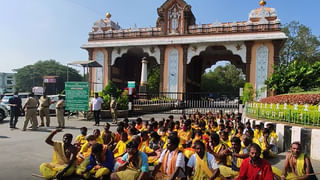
32, 75
154, 79
297, 74
299, 61
123, 100
301, 44
248, 93
224, 80
111, 90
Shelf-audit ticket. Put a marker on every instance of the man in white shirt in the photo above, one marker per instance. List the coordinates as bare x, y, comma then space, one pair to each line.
171, 162
96, 103
248, 127
202, 163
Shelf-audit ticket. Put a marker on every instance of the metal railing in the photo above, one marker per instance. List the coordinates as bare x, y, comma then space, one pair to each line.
182, 103
297, 114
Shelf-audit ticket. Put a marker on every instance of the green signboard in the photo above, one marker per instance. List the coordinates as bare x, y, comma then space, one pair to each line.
77, 96
131, 84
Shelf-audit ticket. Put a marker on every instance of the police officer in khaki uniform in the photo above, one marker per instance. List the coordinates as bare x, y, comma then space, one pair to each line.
44, 102
30, 107
60, 112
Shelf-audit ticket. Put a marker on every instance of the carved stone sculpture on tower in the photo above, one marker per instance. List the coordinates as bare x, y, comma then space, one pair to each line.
174, 16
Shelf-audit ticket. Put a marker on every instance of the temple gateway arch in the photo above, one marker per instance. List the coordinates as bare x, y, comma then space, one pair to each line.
183, 49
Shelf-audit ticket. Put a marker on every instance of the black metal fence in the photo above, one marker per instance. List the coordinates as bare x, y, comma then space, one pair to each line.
182, 103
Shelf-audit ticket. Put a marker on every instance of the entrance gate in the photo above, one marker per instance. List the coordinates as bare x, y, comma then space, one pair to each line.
183, 49
188, 104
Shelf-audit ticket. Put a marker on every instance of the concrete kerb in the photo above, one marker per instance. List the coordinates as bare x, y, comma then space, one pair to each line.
294, 136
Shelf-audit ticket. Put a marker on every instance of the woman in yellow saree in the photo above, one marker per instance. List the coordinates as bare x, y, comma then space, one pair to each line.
63, 160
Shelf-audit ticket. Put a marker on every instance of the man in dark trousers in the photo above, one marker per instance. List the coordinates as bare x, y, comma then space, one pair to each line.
96, 104
15, 109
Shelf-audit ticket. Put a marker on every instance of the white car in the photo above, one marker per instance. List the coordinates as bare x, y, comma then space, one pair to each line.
5, 100
55, 99
3, 112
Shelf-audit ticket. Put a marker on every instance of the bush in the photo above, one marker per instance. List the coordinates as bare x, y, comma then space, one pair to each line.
317, 89
313, 99
112, 90
106, 101
154, 79
160, 98
297, 73
247, 93
123, 100
295, 89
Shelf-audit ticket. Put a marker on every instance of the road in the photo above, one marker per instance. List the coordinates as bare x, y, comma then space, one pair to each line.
23, 151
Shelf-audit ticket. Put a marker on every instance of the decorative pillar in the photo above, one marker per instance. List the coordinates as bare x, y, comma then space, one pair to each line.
144, 76
162, 51
185, 59
109, 69
249, 45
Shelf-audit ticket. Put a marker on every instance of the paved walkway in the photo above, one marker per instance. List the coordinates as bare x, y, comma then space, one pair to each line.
21, 153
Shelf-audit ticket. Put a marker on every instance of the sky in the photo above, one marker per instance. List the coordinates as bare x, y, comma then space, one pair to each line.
33, 30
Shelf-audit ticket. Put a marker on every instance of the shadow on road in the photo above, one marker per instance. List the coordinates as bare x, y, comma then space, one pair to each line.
4, 137
4, 121
52, 128
39, 130
71, 127
49, 129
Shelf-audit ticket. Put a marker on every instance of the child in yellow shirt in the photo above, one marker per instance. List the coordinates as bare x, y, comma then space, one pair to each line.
120, 149
81, 139
86, 149
96, 133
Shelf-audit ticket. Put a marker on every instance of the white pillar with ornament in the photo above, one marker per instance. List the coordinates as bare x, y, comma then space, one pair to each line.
144, 75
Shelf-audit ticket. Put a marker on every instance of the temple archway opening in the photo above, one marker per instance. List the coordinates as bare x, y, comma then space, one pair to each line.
128, 67
204, 78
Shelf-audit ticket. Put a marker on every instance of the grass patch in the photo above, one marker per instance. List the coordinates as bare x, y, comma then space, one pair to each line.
307, 92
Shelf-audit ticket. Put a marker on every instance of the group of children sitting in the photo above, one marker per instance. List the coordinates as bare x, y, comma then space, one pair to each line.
200, 146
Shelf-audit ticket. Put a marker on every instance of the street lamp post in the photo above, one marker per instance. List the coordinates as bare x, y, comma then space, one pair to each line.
67, 72
32, 76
